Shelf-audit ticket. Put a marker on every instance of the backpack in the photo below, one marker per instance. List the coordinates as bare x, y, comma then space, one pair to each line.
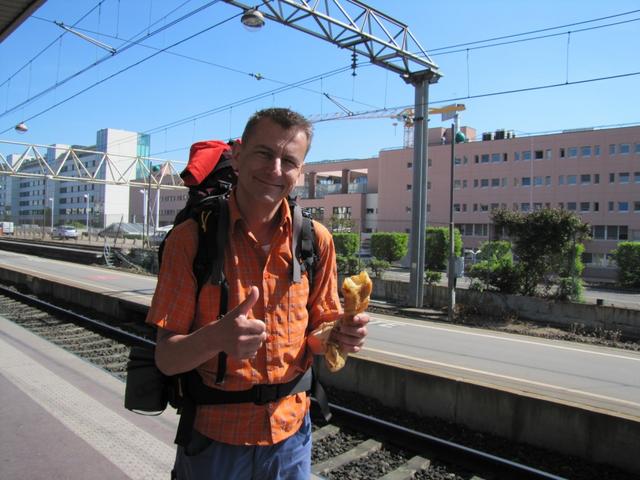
210, 178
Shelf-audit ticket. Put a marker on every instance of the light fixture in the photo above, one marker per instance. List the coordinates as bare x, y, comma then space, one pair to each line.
252, 19
21, 127
460, 137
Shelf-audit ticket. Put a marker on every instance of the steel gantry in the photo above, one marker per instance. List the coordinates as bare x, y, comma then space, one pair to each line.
388, 43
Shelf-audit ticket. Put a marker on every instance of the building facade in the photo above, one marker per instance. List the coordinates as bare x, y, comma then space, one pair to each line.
594, 173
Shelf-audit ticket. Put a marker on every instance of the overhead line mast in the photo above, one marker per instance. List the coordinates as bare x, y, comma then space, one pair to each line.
388, 43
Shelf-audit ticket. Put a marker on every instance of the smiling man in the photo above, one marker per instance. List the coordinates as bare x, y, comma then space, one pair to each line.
265, 331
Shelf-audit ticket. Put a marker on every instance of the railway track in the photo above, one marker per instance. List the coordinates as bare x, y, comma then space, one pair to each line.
352, 446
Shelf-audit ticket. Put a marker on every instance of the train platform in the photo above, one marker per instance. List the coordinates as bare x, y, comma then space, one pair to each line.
64, 418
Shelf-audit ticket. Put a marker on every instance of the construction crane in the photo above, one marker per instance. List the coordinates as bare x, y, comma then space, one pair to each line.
404, 115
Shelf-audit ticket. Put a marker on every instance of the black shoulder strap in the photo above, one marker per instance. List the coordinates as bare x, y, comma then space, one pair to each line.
208, 265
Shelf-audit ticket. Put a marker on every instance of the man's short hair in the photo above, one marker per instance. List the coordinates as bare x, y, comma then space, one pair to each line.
284, 117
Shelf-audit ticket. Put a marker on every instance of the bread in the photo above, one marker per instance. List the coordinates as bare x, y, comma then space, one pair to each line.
356, 291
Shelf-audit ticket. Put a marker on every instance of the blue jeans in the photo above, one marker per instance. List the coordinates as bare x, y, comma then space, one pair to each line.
206, 459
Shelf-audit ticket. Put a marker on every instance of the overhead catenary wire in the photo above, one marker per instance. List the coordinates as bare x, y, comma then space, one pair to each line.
125, 46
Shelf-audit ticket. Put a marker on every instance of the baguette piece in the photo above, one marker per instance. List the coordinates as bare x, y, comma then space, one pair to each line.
356, 291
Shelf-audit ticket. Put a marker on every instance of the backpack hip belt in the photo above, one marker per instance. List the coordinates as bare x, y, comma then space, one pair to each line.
195, 392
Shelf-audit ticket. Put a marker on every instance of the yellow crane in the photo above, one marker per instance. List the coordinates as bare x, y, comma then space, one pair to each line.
404, 115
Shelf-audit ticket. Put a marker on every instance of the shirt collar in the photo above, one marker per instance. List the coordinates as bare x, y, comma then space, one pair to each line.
235, 216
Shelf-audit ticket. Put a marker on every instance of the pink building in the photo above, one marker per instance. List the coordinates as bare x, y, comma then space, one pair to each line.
594, 172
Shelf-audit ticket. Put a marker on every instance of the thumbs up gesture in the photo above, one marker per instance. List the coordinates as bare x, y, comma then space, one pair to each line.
242, 336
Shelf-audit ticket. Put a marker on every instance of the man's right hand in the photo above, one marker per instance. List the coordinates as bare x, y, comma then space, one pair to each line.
242, 336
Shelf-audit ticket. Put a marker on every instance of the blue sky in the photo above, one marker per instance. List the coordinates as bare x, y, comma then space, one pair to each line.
212, 71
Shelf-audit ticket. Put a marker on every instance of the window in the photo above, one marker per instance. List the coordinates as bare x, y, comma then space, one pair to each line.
611, 206
524, 207
526, 155
585, 179
572, 179
484, 158
456, 207
408, 186
547, 180
637, 148
623, 177
480, 229
549, 154
457, 184
457, 161
596, 207
538, 154
484, 207
503, 182
475, 207
516, 156
537, 206
571, 206
495, 206
584, 206
495, 157
475, 183
598, 232
636, 206
612, 149
596, 178
525, 181
573, 152
484, 183
561, 153
625, 149
561, 180
585, 151
409, 164
596, 150
464, 184
623, 207
612, 178
495, 182
538, 181
636, 177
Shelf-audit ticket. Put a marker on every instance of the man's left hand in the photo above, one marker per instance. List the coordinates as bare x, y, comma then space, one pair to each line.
351, 334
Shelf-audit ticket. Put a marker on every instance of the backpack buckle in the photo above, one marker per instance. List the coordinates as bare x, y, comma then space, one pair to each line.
264, 394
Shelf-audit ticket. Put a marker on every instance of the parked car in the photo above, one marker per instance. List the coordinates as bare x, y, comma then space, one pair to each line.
155, 239
65, 232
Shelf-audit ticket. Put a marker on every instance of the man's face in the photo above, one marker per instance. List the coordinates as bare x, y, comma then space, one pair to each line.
269, 163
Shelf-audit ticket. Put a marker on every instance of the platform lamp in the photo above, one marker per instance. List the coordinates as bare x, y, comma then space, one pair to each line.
456, 137
252, 19
86, 200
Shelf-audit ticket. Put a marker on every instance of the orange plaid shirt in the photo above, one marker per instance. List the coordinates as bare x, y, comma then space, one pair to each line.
289, 311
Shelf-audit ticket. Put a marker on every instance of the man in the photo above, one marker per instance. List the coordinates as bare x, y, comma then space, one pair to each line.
265, 330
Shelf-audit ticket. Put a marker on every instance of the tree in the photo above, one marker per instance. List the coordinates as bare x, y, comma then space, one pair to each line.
496, 268
389, 246
347, 245
545, 243
437, 247
627, 256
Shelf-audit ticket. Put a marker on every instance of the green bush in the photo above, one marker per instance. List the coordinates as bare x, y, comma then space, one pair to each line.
389, 246
348, 265
627, 256
347, 244
437, 247
378, 267
431, 277
495, 249
501, 274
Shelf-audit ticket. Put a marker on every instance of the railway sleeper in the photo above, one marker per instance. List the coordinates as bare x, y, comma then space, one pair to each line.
361, 450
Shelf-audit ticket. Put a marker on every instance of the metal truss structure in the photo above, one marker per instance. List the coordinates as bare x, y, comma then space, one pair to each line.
352, 25
89, 166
